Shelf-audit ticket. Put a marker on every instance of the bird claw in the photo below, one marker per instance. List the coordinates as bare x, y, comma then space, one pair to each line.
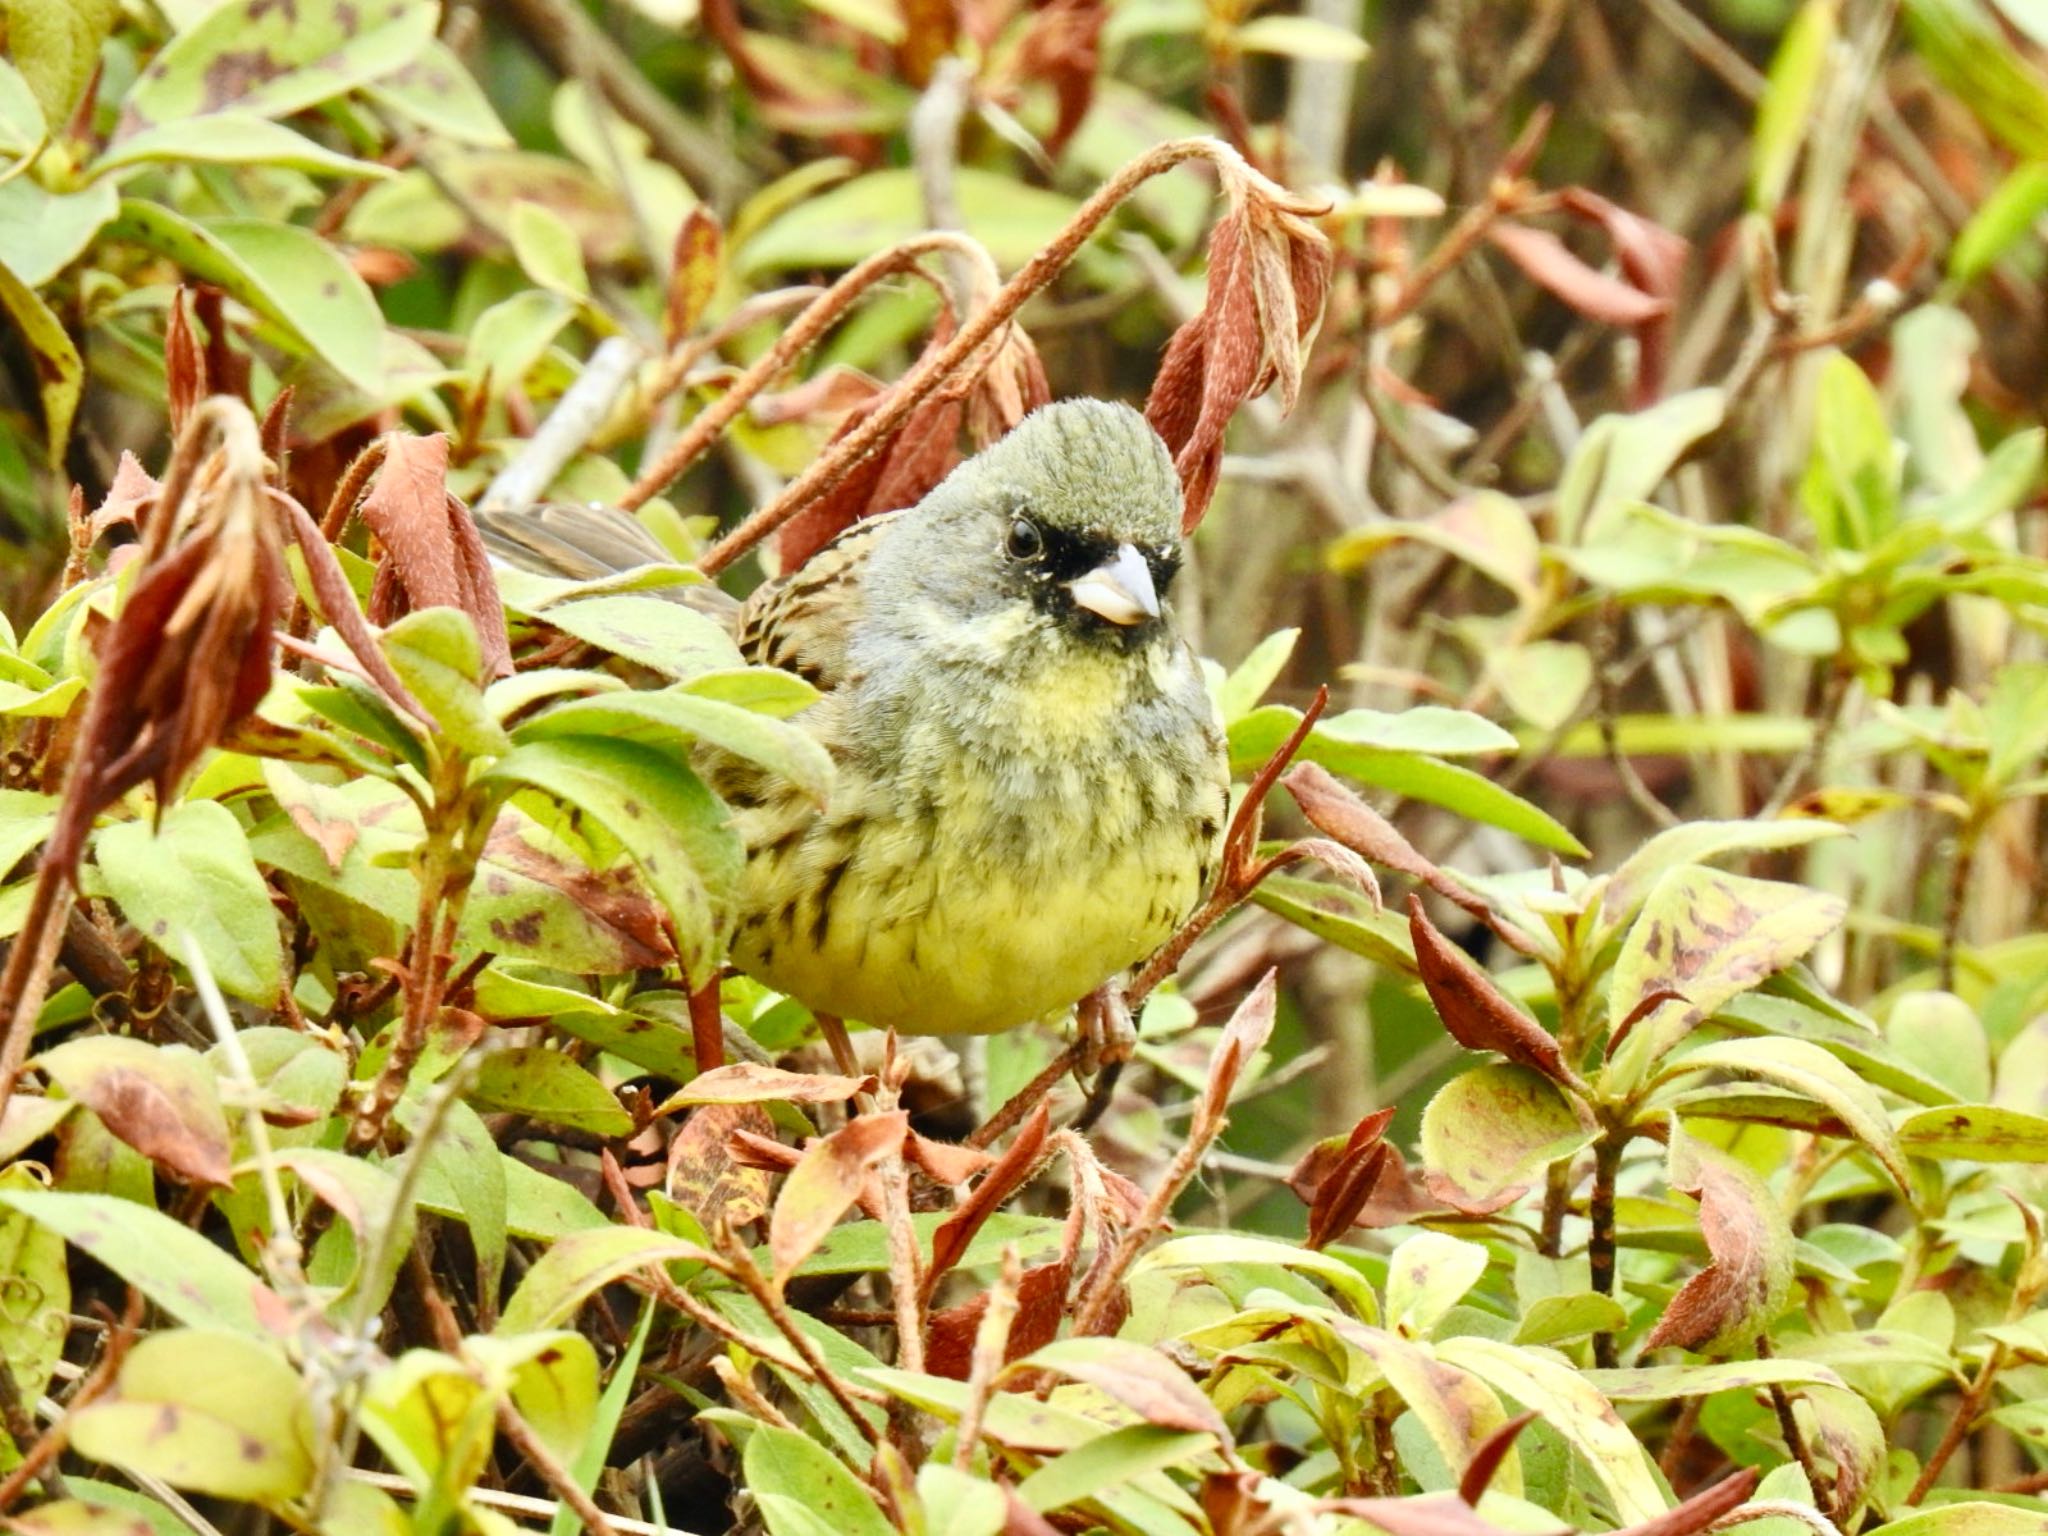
1104, 1030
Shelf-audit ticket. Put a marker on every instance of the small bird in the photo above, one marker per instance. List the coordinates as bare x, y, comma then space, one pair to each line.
1031, 778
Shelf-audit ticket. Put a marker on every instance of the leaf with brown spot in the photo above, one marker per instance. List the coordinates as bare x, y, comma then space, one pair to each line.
161, 1100
1747, 1284
997, 1185
825, 1183
747, 1082
1586, 289
693, 273
703, 1175
1135, 1375
1706, 936
1475, 1011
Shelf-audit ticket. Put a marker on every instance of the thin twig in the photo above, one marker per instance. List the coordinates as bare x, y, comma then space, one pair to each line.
552, 1472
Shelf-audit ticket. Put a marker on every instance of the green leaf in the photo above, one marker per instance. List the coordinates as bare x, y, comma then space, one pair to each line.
1427, 1276
790, 1473
34, 1274
436, 91
172, 1265
541, 1082
675, 641
2015, 206
1969, 52
55, 47
611, 1408
43, 232
1301, 37
1490, 532
231, 138
60, 372
1248, 682
1939, 1034
1085, 1472
22, 128
215, 1412
1978, 1133
288, 275
676, 717
1697, 842
550, 1377
1489, 1133
466, 1157
1786, 109
1216, 1251
853, 221
1662, 1383
1623, 459
1340, 916
435, 654
1851, 487
680, 837
548, 250
195, 875
255, 57
1805, 1068
583, 1262
1573, 1408
1967, 1518
955, 1503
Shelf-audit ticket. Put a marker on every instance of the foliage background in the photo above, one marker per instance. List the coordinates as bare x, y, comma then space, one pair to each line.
1673, 417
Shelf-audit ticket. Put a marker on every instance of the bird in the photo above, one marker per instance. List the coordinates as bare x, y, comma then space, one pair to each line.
1031, 779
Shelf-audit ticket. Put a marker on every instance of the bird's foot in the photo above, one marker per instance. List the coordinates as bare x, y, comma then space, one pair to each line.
1104, 1030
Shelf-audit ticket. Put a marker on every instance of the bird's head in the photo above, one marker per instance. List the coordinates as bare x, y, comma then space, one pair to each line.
1076, 513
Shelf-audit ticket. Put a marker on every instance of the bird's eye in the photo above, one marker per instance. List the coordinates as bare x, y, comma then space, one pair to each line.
1025, 542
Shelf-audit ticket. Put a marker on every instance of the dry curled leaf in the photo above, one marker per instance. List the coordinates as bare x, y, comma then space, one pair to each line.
1336, 1181
433, 555
1061, 48
1732, 1300
1653, 259
1475, 1011
1003, 1180
1588, 290
1269, 272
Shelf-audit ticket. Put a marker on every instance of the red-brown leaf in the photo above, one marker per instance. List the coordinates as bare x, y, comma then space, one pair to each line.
1703, 1509
1735, 1296
1041, 1304
996, 1186
1586, 289
184, 365
824, 1184
433, 553
693, 273
1473, 1009
1246, 1033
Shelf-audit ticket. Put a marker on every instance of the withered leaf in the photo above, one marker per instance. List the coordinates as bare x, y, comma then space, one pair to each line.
703, 1175
825, 1183
1332, 808
184, 365
434, 557
1703, 1509
945, 1162
1139, 1377
693, 273
1654, 259
1338, 1190
161, 1100
1750, 1277
1041, 1305
1243, 1037
1479, 1471
1062, 47
1473, 1009
996, 1186
1586, 289
747, 1082
1429, 1514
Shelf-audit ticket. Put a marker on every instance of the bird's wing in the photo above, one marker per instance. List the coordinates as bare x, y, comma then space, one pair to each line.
586, 542
802, 622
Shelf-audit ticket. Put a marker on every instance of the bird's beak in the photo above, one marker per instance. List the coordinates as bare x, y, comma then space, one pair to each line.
1119, 590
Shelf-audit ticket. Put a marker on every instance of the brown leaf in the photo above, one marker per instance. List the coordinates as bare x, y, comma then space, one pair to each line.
996, 1186
828, 392
189, 655
1586, 289
1703, 1509
1332, 808
825, 1183
1429, 1514
1246, 1033
931, 29
1339, 1188
184, 365
1269, 273
1654, 259
1146, 1382
1062, 48
227, 370
1479, 1471
1041, 1305
434, 556
133, 490
945, 1162
703, 1175
747, 1082
693, 273
161, 1100
1747, 1284
1473, 1009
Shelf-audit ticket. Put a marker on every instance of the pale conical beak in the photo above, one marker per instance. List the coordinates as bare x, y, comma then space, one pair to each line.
1119, 590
